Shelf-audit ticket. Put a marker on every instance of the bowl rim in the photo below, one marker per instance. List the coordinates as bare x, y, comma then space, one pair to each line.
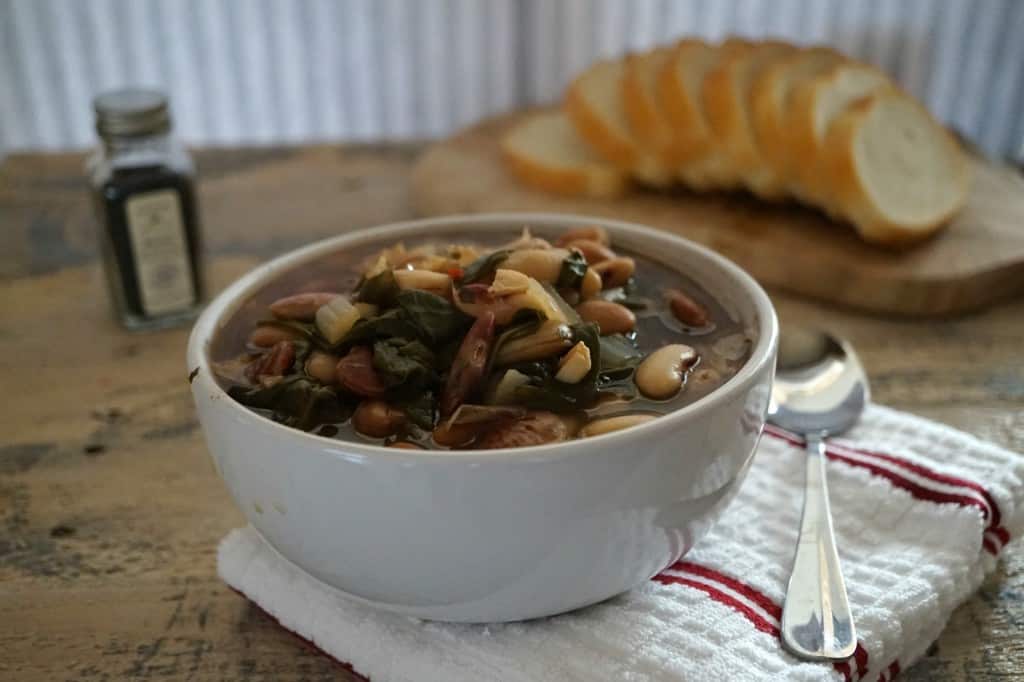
222, 305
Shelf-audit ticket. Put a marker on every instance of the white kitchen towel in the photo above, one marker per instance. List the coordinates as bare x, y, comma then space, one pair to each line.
922, 512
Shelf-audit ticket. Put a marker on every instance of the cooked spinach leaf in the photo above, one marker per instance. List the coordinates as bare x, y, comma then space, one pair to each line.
548, 393
419, 408
619, 357
393, 323
403, 363
523, 324
571, 316
574, 267
295, 401
437, 319
483, 267
380, 290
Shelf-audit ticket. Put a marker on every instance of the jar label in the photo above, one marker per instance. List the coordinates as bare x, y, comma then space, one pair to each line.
157, 230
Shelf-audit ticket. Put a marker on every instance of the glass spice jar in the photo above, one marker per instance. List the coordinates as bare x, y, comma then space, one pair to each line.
144, 195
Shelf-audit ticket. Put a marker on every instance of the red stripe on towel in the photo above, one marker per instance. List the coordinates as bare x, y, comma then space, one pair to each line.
860, 654
977, 497
747, 591
722, 598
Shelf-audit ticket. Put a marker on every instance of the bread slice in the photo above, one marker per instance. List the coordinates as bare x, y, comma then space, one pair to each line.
544, 151
812, 107
594, 105
702, 165
647, 118
726, 94
770, 96
892, 170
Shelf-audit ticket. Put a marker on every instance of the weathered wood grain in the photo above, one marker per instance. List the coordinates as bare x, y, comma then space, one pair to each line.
110, 512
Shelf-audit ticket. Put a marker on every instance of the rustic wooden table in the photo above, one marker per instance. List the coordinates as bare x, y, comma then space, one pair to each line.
110, 512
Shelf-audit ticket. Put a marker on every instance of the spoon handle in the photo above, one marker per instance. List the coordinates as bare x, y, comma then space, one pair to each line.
816, 619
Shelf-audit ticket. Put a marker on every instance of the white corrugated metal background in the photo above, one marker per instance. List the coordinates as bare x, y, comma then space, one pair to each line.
266, 71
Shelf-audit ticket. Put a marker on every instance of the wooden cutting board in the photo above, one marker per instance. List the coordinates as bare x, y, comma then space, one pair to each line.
977, 260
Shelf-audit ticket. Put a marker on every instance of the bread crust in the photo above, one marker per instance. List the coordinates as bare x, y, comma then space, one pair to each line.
851, 197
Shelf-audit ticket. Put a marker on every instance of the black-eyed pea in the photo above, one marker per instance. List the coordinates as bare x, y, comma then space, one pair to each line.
611, 317
377, 419
321, 366
609, 424
660, 375
615, 272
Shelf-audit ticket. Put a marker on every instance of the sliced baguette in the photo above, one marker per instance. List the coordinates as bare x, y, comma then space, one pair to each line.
647, 118
892, 170
726, 96
594, 104
545, 152
702, 165
769, 99
812, 107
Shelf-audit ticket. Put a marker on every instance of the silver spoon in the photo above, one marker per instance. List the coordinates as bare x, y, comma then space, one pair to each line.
820, 391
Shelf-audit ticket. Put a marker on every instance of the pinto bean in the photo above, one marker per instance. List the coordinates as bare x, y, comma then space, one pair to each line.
615, 272
274, 363
301, 307
685, 309
611, 317
404, 445
592, 251
468, 366
356, 373
377, 419
593, 233
267, 335
458, 435
536, 428
321, 366
591, 284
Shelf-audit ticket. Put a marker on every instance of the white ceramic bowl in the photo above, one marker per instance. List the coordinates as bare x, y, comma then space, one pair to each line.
494, 535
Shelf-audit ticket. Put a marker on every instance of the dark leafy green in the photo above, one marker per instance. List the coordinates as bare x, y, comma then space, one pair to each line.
296, 401
435, 317
523, 324
574, 267
404, 363
619, 357
419, 408
393, 323
380, 290
483, 267
570, 313
548, 393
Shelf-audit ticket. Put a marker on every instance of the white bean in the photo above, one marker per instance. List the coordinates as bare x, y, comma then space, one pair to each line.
609, 424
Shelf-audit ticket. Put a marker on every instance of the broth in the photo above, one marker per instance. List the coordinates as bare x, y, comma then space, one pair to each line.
722, 346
